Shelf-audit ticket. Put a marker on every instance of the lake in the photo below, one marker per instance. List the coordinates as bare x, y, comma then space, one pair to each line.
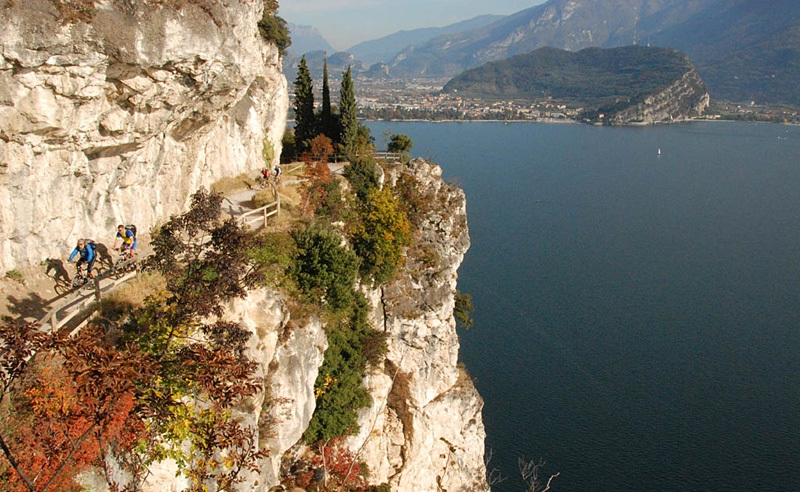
636, 310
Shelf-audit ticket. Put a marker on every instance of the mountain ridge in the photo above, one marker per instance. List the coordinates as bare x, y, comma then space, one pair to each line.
385, 48
736, 45
630, 84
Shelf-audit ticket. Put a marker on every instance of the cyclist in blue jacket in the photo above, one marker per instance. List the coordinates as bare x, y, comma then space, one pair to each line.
86, 249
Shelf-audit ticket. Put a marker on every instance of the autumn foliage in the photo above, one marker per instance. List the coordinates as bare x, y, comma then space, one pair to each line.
70, 401
328, 466
158, 382
317, 175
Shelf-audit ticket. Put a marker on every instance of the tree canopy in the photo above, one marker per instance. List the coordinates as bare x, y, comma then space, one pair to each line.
348, 115
305, 122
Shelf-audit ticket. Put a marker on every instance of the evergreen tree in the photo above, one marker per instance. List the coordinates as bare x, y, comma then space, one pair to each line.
347, 110
304, 118
326, 119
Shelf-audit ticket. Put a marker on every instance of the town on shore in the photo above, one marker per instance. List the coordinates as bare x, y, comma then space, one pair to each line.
423, 100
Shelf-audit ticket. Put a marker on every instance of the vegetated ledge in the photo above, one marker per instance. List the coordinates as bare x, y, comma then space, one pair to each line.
628, 85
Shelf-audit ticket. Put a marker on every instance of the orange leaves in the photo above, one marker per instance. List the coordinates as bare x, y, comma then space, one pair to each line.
76, 397
321, 148
317, 173
331, 467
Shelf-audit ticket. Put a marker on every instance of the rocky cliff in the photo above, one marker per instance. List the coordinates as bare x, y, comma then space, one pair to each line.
684, 99
117, 112
424, 430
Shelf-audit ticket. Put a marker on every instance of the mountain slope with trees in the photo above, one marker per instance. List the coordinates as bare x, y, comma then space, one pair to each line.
744, 49
597, 80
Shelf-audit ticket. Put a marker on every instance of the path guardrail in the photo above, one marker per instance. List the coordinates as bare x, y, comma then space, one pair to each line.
387, 156
83, 297
259, 216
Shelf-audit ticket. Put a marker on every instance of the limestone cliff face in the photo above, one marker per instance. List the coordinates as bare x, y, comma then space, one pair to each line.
120, 118
687, 97
424, 430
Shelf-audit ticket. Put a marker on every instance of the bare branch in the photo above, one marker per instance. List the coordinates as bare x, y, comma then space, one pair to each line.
530, 470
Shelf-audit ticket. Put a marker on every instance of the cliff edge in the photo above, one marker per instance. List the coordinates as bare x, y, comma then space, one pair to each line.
118, 116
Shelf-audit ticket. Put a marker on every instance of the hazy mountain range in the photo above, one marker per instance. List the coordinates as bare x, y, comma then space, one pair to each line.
386, 48
743, 49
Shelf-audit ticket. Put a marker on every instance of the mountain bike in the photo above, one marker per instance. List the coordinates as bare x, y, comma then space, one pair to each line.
81, 279
123, 264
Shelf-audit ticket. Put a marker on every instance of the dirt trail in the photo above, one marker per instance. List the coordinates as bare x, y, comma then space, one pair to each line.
29, 292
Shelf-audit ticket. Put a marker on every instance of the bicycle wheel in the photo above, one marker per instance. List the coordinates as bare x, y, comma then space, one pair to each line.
120, 267
62, 288
78, 281
88, 285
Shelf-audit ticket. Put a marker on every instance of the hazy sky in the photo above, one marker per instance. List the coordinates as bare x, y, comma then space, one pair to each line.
345, 23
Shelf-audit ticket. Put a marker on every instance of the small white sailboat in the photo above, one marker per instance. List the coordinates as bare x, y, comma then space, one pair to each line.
659, 151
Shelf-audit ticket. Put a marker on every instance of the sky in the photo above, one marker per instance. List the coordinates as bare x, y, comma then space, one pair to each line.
345, 23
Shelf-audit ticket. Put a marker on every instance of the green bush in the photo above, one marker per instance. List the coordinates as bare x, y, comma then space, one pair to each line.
333, 205
401, 144
362, 175
352, 345
289, 146
273, 29
276, 256
325, 270
267, 152
380, 235
463, 309
14, 275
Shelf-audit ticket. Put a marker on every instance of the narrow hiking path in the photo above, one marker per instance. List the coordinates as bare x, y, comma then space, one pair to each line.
41, 293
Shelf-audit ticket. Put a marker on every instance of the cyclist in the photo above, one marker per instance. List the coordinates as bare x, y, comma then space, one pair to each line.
125, 241
277, 174
86, 249
263, 178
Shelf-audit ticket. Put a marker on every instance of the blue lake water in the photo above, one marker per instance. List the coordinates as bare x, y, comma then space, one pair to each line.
637, 316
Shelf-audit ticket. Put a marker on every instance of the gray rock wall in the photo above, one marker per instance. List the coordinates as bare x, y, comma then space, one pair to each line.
121, 119
683, 100
424, 430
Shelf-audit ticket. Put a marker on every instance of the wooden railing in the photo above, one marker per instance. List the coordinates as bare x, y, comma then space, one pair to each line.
79, 300
258, 217
387, 156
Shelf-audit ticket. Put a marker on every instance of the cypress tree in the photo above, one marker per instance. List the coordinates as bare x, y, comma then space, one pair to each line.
326, 121
304, 118
347, 109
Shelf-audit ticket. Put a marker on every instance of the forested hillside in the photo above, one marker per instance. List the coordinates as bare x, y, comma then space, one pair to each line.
744, 49
590, 78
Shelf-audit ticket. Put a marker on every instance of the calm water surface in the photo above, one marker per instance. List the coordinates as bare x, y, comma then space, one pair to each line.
637, 315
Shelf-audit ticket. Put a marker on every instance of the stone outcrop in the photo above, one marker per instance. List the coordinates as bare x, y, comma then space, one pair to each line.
121, 117
424, 429
686, 98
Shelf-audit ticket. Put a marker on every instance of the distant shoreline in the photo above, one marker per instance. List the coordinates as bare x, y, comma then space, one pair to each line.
567, 121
